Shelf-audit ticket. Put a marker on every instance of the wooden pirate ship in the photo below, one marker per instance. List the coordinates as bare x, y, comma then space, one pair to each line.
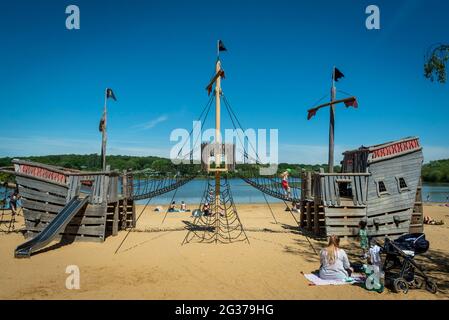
379, 184
78, 205
45, 191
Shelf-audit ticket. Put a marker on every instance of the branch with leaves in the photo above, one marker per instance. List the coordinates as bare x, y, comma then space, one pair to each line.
436, 63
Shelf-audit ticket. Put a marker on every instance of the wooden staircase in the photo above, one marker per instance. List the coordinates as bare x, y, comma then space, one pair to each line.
416, 223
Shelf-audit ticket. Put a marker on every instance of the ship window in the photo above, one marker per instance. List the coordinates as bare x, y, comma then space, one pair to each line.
402, 184
381, 188
345, 189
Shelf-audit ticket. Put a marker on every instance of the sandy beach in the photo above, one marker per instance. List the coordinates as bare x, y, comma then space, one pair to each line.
152, 263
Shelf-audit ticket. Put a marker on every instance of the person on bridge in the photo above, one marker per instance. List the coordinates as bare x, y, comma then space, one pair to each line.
284, 182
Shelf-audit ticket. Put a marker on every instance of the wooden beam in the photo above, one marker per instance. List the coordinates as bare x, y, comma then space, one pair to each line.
333, 102
220, 73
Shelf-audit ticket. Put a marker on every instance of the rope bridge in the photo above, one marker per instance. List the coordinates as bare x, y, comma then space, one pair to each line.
272, 186
147, 184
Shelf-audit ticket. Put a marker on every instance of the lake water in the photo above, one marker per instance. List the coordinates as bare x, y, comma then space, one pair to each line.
244, 193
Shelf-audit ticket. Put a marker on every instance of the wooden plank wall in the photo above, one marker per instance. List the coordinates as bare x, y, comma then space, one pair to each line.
395, 202
43, 200
88, 224
408, 167
343, 221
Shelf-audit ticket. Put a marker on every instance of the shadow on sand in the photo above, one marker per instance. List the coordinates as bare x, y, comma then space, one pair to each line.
192, 227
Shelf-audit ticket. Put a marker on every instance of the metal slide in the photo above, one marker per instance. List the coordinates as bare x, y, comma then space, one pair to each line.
56, 226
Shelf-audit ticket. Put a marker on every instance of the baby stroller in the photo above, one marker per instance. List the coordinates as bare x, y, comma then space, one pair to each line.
401, 271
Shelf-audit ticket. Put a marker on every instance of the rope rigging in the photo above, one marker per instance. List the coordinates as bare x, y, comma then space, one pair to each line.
148, 183
271, 185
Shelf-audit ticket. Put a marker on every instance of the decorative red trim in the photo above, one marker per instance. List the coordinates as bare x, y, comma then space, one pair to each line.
42, 173
395, 148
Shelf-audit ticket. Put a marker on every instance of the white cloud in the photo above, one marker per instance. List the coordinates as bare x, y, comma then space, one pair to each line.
152, 123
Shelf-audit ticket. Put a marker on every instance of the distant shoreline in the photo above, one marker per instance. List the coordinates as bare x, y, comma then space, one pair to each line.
433, 172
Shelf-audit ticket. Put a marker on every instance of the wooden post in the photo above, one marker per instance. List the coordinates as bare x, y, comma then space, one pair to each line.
309, 185
309, 216
331, 125
316, 215
115, 219
125, 195
303, 200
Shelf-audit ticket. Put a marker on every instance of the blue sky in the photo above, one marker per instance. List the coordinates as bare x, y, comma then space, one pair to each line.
159, 55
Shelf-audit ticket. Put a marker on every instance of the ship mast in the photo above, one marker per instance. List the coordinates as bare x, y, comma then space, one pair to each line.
217, 127
332, 124
351, 101
104, 139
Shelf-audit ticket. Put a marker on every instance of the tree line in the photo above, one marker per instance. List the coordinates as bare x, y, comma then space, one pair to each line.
92, 162
435, 171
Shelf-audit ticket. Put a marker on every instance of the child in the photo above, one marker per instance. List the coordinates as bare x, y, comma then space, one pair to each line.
206, 209
363, 237
13, 202
284, 183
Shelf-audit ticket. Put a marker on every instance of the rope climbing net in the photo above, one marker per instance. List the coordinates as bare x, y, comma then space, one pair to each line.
220, 223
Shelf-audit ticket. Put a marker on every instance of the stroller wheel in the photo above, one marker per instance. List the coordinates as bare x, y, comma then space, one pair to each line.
399, 285
431, 286
417, 283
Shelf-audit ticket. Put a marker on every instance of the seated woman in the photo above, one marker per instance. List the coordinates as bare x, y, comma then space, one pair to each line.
334, 261
172, 207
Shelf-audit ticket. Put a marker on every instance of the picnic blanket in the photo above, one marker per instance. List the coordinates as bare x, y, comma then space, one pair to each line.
317, 281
